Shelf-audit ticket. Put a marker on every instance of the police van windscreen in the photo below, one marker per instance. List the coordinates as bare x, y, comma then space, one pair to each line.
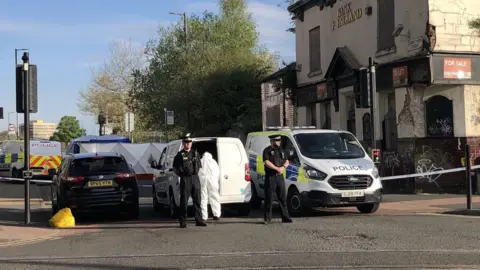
46, 148
334, 145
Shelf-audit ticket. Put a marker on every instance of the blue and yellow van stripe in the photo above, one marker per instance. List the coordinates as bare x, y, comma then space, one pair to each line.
293, 173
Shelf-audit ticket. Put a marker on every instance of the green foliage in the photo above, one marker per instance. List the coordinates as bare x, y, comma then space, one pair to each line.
216, 74
68, 129
474, 24
288, 81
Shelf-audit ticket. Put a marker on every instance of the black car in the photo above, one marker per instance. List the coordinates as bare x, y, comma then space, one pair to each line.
94, 182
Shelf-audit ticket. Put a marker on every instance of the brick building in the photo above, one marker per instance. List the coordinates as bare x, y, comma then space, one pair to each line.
274, 98
427, 63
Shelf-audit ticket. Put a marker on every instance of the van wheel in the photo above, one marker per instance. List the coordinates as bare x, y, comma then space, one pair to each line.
368, 208
255, 201
156, 206
295, 204
172, 208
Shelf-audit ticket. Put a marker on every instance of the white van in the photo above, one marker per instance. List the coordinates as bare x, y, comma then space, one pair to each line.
328, 168
234, 174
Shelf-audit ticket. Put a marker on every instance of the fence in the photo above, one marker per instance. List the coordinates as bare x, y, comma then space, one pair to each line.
145, 136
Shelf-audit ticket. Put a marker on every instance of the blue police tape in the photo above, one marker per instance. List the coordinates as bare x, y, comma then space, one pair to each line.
440, 171
8, 179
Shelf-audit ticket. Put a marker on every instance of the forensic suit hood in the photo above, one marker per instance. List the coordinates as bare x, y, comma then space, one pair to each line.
209, 166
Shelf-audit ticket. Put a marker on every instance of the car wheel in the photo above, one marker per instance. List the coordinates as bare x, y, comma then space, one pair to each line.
53, 194
368, 208
255, 201
295, 203
17, 174
172, 208
134, 210
156, 206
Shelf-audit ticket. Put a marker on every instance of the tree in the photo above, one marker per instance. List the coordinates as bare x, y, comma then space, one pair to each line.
474, 24
68, 128
217, 73
110, 85
289, 3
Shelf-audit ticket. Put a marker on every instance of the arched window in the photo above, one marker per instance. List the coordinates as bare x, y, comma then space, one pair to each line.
439, 116
367, 128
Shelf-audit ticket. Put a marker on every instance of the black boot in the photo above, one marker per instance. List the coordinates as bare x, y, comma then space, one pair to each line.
201, 224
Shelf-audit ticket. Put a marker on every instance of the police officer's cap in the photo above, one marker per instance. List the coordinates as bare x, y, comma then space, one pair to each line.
274, 137
187, 138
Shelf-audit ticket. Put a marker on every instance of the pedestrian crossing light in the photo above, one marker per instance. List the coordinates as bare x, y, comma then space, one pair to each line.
376, 156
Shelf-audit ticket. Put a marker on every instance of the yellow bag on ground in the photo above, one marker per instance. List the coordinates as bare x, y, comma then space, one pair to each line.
63, 219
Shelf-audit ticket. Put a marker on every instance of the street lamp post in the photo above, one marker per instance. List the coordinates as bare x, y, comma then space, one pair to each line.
185, 33
17, 130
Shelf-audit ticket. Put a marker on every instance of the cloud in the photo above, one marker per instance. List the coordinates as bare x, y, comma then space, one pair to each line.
272, 23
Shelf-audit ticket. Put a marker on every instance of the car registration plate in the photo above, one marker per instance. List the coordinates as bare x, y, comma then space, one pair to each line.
104, 183
353, 193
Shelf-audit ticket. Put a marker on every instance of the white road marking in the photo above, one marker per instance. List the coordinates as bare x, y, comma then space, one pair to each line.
238, 254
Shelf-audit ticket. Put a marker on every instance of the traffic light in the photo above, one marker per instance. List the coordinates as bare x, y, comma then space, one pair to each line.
376, 156
362, 90
20, 82
101, 119
1, 113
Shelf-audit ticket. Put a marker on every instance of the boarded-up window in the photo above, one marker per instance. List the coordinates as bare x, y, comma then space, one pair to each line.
273, 116
386, 25
314, 49
439, 116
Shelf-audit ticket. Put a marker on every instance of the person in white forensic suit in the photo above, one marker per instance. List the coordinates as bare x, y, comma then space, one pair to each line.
210, 183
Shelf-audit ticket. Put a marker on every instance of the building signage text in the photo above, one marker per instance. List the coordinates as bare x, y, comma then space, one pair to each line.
457, 68
346, 15
400, 76
322, 91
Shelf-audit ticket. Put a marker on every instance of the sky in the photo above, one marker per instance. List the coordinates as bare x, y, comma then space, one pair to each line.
69, 39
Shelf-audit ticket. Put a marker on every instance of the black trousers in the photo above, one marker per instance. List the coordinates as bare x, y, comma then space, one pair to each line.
275, 184
190, 186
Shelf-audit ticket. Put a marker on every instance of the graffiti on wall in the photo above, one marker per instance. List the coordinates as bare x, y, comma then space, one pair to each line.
432, 160
395, 162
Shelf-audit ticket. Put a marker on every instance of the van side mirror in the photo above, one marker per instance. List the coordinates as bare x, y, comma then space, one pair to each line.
153, 164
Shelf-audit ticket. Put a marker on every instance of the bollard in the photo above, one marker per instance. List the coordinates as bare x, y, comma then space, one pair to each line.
468, 172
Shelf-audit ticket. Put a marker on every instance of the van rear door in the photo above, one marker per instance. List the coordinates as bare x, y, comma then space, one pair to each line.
232, 161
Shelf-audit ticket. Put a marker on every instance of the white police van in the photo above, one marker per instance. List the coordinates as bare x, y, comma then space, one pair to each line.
328, 168
234, 174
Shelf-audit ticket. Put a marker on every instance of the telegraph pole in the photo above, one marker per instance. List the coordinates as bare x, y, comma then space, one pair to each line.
187, 81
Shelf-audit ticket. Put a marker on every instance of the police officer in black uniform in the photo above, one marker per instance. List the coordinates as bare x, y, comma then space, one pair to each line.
186, 164
275, 163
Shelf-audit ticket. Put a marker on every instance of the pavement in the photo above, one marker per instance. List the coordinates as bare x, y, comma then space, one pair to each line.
408, 232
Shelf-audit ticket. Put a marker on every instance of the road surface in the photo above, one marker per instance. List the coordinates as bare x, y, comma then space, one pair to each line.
319, 241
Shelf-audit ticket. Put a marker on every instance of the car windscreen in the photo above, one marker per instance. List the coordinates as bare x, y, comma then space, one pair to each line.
329, 145
98, 166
